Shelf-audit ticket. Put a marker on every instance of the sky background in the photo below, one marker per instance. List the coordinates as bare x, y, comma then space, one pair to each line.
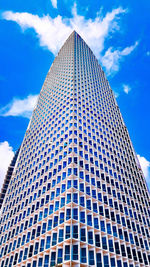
32, 32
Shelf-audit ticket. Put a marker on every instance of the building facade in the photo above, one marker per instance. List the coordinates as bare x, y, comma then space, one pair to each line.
8, 178
77, 196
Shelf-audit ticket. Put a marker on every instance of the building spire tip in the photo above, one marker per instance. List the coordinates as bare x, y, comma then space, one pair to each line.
74, 31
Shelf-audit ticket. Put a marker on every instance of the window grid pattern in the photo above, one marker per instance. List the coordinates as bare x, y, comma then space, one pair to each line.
77, 193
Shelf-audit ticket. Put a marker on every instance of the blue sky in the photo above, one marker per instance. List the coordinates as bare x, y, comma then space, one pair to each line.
32, 32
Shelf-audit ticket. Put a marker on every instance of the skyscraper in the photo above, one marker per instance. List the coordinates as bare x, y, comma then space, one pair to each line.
77, 196
8, 178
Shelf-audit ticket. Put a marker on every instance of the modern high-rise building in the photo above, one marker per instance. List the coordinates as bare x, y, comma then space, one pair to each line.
8, 178
77, 195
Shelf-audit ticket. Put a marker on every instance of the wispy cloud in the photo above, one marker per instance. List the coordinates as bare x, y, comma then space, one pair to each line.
95, 32
6, 155
112, 58
54, 3
116, 94
126, 88
19, 107
52, 32
145, 165
148, 53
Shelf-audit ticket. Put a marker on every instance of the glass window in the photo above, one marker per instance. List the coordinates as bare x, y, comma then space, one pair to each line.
56, 205
96, 223
83, 255
68, 198
102, 223
98, 260
101, 212
97, 240
131, 238
46, 261
68, 214
104, 243
95, 207
88, 204
67, 232
90, 237
82, 216
88, 190
75, 198
119, 264
89, 220
20, 256
134, 254
91, 257
120, 234
67, 253
53, 258
75, 252
82, 203
50, 209
38, 230
48, 241
54, 240
40, 262
94, 193
129, 253
10, 262
15, 242
49, 226
60, 255
126, 236
123, 250
62, 202
19, 242
109, 228
75, 184
43, 228
117, 248
75, 214
112, 262
57, 192
83, 234
106, 262
30, 251
111, 248
55, 221
42, 245
115, 231
61, 235
75, 231
123, 221
36, 248
25, 254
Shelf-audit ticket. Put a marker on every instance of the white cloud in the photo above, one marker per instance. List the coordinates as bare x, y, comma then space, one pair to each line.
116, 94
6, 155
94, 32
126, 88
20, 107
148, 53
112, 58
52, 32
54, 3
145, 165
